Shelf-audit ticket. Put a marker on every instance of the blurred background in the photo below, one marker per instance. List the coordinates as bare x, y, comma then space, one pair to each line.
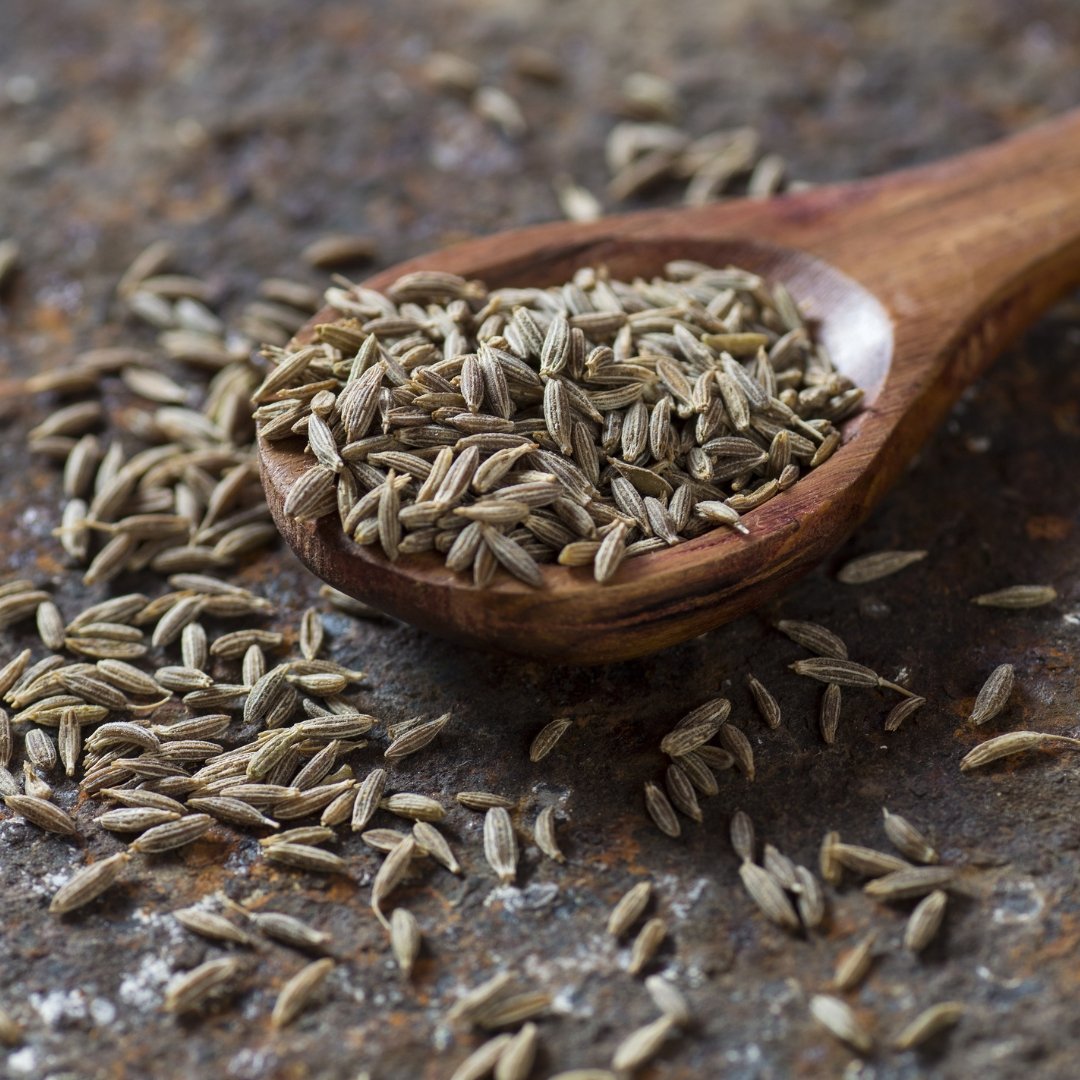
244, 131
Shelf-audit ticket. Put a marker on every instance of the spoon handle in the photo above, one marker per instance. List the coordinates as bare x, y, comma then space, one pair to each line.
964, 252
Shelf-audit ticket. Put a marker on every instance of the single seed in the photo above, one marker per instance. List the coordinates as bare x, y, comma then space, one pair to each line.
909, 884
840, 1021
929, 1023
669, 999
416, 738
500, 844
854, 964
829, 719
901, 711
629, 909
544, 834
547, 737
661, 810
646, 945
742, 835
297, 993
429, 841
994, 695
816, 638
482, 1060
405, 939
209, 924
483, 800
1015, 742
642, 1045
907, 839
768, 895
88, 884
766, 703
862, 860
192, 990
877, 565
45, 815
1018, 596
925, 921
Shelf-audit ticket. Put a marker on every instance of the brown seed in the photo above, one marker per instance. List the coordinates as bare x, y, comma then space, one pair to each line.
840, 1021
929, 1023
766, 703
1018, 596
500, 844
855, 963
390, 875
646, 945
88, 883
816, 638
405, 939
329, 252
668, 999
907, 839
368, 794
768, 895
516, 1060
1014, 742
909, 884
742, 835
482, 1060
297, 993
901, 711
829, 719
172, 834
994, 695
416, 738
209, 924
661, 810
544, 834
863, 860
193, 989
289, 931
483, 800
429, 841
877, 565
738, 745
548, 736
306, 857
416, 807
629, 909
43, 814
642, 1045
925, 921
681, 792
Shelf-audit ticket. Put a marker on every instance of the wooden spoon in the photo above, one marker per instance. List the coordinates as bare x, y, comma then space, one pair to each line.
918, 278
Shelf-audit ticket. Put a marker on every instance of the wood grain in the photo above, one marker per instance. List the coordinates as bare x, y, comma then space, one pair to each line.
918, 279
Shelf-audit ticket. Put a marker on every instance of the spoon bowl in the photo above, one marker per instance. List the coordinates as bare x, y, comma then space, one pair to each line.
912, 281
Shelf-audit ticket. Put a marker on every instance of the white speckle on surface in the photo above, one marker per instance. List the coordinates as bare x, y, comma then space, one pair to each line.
59, 1005
1017, 902
23, 1061
250, 1064
531, 898
143, 987
102, 1012
682, 899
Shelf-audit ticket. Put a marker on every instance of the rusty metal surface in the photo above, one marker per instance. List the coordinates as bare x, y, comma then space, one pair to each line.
243, 131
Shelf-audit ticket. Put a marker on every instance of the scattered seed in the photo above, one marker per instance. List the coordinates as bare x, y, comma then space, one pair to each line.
629, 909
646, 945
929, 1023
768, 895
297, 993
500, 844
994, 695
877, 565
661, 810
88, 884
548, 736
1014, 742
1018, 596
192, 990
855, 963
925, 921
907, 839
909, 884
642, 1045
840, 1021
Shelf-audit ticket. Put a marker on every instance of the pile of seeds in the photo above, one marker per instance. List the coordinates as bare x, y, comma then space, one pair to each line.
582, 423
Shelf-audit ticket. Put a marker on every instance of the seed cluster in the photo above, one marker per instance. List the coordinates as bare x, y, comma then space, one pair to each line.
583, 423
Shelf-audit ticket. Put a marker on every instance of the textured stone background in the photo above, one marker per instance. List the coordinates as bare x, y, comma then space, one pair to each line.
244, 130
